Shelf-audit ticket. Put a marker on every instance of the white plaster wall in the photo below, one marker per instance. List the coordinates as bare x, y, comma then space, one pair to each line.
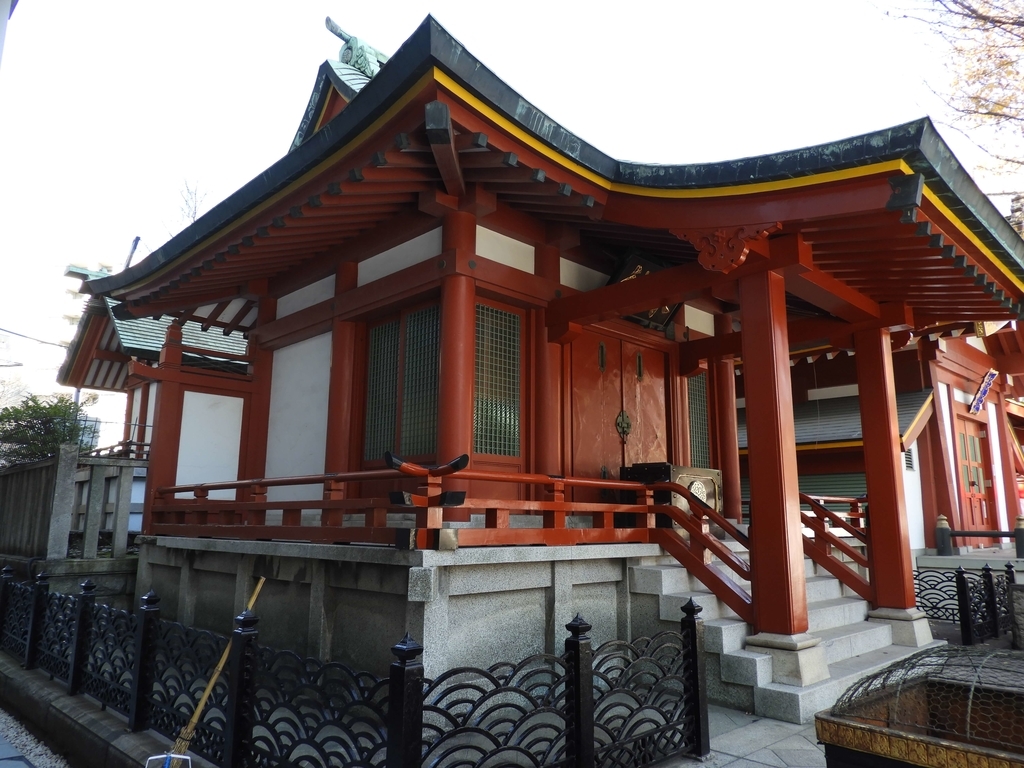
135, 418
504, 249
913, 500
306, 296
579, 277
154, 393
426, 246
297, 434
996, 471
211, 432
947, 425
699, 320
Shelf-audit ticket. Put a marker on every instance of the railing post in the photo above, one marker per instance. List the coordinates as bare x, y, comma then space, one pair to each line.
943, 537
142, 672
963, 600
405, 706
990, 599
238, 715
37, 614
1011, 574
6, 580
691, 627
1018, 537
81, 636
580, 659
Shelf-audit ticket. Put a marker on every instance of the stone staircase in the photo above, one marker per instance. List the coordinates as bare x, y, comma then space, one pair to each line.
742, 678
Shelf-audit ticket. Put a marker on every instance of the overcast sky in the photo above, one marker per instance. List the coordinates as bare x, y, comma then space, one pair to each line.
107, 109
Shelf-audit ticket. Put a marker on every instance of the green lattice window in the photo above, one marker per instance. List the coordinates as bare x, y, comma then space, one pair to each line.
700, 447
497, 394
402, 374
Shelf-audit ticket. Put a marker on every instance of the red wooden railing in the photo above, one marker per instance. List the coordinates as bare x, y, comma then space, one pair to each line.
343, 519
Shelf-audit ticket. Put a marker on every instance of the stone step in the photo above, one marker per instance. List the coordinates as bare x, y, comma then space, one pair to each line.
841, 643
835, 612
799, 704
823, 588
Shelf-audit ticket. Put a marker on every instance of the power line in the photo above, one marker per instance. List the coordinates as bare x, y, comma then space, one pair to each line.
30, 338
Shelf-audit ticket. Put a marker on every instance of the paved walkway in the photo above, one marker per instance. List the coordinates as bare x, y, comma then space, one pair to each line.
739, 740
11, 757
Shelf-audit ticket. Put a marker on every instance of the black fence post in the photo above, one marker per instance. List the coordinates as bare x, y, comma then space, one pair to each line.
142, 670
963, 601
80, 641
405, 706
6, 580
991, 600
943, 537
36, 616
1018, 536
690, 628
579, 656
1011, 573
238, 721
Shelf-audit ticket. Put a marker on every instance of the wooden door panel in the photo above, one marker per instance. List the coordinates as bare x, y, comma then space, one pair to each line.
596, 402
972, 470
643, 398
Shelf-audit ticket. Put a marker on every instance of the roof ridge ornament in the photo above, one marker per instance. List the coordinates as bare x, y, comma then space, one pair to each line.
355, 53
722, 249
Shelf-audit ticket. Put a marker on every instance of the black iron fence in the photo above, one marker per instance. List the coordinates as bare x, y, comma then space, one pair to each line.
979, 603
622, 704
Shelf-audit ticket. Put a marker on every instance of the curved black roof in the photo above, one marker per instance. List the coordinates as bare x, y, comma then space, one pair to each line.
917, 143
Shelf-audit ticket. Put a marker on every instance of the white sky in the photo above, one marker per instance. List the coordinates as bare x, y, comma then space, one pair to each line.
106, 109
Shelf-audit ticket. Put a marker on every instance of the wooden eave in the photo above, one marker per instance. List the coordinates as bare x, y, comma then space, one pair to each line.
861, 242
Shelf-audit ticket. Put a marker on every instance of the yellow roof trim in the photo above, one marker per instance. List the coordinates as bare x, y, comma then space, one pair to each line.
917, 417
958, 223
889, 166
820, 446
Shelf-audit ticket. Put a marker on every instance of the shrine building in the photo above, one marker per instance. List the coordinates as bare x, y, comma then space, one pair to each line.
442, 328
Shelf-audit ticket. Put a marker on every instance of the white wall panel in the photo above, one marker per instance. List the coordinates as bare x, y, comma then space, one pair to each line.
211, 432
421, 248
579, 277
996, 474
297, 439
306, 296
948, 420
504, 249
913, 500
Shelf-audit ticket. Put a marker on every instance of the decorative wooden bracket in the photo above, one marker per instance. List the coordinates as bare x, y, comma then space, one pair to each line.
725, 248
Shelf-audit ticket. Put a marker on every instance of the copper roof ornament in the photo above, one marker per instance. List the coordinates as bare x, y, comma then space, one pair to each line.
355, 53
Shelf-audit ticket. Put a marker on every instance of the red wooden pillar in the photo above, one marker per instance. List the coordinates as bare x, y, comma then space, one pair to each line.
892, 564
776, 557
163, 450
258, 418
340, 393
547, 429
458, 343
728, 435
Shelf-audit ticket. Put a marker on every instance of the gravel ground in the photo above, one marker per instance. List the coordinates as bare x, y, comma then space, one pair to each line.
34, 750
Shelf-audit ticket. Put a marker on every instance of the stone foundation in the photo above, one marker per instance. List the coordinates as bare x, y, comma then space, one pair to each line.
472, 606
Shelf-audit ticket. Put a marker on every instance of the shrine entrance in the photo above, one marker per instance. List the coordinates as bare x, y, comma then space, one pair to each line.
975, 489
618, 412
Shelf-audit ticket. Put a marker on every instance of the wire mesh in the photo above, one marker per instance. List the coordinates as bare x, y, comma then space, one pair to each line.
700, 444
419, 381
496, 407
382, 390
965, 694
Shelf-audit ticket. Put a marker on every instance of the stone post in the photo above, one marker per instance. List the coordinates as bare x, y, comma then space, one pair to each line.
63, 507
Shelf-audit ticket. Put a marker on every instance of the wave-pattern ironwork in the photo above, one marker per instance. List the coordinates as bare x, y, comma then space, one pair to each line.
1001, 583
53, 650
107, 673
936, 594
504, 715
183, 660
14, 636
644, 708
982, 624
316, 715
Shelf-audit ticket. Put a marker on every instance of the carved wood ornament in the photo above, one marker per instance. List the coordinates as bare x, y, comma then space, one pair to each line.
725, 248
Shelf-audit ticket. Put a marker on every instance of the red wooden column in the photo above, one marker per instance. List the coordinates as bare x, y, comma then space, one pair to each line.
339, 409
892, 563
728, 436
776, 557
458, 343
257, 419
547, 428
163, 449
